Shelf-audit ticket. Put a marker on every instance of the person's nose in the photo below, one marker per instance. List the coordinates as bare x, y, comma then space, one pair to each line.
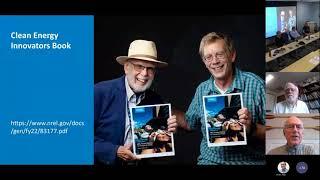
215, 60
144, 71
295, 128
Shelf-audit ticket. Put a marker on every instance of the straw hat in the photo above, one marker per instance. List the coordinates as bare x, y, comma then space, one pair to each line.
142, 50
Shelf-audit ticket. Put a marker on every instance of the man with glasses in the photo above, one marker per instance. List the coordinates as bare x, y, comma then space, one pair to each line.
293, 132
113, 100
291, 104
218, 55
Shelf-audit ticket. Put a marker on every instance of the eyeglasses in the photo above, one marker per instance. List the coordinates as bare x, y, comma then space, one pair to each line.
291, 126
219, 55
290, 89
139, 68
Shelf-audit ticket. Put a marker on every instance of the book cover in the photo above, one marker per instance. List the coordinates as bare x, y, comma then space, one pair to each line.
150, 131
222, 121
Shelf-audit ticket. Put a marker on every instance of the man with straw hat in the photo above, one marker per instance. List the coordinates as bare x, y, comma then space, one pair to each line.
113, 99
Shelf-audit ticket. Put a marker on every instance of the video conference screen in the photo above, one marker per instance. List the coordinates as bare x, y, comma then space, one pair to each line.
280, 19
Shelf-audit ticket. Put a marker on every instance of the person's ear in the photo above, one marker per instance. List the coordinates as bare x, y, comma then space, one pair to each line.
126, 67
233, 56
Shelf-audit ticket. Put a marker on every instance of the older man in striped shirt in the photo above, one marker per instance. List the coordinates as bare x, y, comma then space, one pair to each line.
293, 132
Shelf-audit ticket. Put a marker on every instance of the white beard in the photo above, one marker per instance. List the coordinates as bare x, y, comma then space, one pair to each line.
140, 89
291, 100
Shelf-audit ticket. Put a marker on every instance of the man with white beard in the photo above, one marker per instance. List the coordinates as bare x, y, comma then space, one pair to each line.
113, 99
291, 104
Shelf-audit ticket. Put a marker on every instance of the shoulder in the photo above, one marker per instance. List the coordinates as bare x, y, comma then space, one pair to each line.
250, 77
308, 149
302, 103
205, 86
307, 146
251, 84
107, 89
282, 103
280, 106
277, 151
108, 85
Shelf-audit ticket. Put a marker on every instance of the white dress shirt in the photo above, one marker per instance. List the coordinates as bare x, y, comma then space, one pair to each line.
286, 107
132, 101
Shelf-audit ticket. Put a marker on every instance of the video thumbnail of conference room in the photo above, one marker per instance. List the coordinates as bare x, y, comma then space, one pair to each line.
292, 36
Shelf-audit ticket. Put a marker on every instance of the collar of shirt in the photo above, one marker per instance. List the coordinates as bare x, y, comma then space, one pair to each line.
292, 106
217, 87
131, 96
294, 149
236, 86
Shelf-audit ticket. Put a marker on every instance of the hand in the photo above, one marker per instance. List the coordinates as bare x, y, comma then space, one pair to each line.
225, 125
124, 153
245, 118
181, 119
172, 124
148, 128
152, 135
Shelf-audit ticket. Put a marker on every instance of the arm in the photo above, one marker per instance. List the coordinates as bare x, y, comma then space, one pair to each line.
254, 118
105, 152
259, 133
181, 119
106, 134
191, 119
255, 130
125, 153
259, 128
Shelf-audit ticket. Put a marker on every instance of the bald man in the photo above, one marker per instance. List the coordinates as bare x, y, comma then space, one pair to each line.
293, 132
291, 104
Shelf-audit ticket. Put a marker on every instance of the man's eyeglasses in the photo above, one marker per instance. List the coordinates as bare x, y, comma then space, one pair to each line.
139, 68
290, 89
219, 55
291, 126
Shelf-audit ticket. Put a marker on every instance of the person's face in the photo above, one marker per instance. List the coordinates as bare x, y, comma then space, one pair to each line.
217, 60
148, 128
293, 131
163, 137
291, 93
282, 14
140, 74
220, 117
235, 126
283, 166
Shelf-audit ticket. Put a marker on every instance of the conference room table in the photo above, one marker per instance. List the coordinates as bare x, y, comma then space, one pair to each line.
291, 47
305, 64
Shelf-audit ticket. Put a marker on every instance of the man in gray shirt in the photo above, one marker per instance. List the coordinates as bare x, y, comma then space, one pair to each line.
293, 132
